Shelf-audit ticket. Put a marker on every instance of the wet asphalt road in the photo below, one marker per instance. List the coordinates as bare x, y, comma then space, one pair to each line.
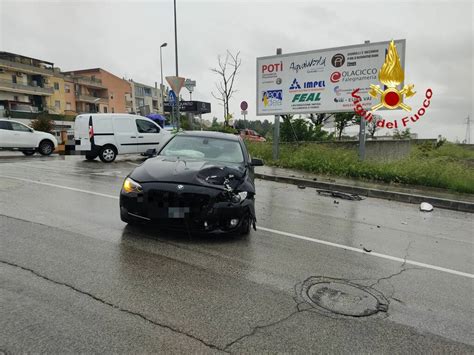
74, 278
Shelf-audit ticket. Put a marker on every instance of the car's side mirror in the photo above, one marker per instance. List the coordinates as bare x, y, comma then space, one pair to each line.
256, 162
150, 153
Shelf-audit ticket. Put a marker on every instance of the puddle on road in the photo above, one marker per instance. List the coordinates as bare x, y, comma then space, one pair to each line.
337, 297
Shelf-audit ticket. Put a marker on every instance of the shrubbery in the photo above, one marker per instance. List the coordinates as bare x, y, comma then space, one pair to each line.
449, 166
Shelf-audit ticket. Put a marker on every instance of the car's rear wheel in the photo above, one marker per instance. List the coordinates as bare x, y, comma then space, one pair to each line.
46, 147
28, 152
108, 154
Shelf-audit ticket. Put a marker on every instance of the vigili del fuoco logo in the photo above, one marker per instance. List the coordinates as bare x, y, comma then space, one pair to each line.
391, 75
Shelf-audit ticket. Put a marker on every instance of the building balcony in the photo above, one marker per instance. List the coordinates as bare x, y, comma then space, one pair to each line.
91, 99
24, 68
29, 89
90, 82
128, 103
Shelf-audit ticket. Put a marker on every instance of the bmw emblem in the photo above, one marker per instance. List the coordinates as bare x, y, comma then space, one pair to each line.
180, 187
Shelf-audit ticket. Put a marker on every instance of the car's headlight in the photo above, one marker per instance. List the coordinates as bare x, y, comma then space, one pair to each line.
240, 196
130, 186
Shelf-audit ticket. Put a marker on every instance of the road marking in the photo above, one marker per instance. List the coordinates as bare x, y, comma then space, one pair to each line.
60, 186
132, 163
357, 250
286, 234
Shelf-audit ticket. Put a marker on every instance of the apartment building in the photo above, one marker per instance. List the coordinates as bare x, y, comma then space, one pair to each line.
63, 99
146, 99
25, 83
97, 90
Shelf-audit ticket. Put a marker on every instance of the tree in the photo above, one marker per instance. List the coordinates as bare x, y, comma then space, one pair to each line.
227, 70
372, 125
343, 120
405, 134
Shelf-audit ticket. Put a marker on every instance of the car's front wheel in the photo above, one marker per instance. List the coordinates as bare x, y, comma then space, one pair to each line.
28, 152
46, 147
108, 154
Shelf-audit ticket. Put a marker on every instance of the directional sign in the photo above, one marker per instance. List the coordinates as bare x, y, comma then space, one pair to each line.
172, 97
176, 83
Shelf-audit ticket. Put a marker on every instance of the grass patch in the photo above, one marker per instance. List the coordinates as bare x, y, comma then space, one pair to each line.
449, 166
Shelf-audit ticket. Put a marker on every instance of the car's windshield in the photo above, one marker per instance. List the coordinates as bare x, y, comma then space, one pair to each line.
204, 148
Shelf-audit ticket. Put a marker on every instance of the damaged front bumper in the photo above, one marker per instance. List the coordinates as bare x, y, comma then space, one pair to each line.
177, 206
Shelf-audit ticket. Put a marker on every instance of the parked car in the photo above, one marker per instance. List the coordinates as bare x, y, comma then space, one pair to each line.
106, 135
203, 181
251, 135
15, 135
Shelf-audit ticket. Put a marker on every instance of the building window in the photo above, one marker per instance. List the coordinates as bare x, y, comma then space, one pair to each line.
113, 111
67, 88
105, 109
14, 79
57, 104
15, 98
111, 95
56, 86
68, 106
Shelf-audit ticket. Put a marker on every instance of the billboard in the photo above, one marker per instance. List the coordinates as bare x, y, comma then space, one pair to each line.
321, 80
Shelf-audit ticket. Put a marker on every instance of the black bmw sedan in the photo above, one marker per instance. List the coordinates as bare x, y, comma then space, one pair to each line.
200, 181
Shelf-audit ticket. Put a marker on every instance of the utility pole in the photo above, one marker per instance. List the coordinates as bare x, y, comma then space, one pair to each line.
276, 128
362, 133
162, 87
176, 60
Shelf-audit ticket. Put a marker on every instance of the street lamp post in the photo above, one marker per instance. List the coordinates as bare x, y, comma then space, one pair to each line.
176, 60
161, 87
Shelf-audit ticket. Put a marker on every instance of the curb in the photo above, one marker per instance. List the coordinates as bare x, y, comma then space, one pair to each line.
462, 206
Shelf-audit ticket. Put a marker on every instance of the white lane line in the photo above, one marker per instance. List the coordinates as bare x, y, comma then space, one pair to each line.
60, 186
132, 163
286, 234
357, 250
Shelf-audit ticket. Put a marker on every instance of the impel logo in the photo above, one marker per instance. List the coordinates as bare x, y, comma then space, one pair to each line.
270, 68
336, 76
295, 85
338, 60
272, 98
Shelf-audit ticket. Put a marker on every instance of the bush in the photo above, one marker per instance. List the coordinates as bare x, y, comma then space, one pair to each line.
448, 167
43, 123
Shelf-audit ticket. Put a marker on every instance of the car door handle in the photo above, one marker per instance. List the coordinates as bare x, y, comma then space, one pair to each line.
140, 136
133, 137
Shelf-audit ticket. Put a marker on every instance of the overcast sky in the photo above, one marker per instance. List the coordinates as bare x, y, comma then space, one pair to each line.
123, 37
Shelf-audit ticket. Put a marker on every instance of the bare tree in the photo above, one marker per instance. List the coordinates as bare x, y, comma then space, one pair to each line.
227, 70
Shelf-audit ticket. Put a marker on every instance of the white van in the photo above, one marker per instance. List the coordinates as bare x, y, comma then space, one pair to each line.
105, 135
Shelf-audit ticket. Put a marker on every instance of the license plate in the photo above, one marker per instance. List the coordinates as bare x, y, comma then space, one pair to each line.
177, 212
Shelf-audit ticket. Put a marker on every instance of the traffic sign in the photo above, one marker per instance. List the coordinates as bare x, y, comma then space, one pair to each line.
190, 84
172, 97
244, 105
244, 112
176, 83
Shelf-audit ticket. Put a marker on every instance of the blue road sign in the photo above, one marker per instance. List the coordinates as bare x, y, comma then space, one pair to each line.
172, 97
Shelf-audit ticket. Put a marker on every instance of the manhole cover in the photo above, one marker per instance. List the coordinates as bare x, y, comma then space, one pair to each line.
341, 297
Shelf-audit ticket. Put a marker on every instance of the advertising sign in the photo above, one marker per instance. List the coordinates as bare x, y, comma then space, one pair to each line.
197, 107
321, 80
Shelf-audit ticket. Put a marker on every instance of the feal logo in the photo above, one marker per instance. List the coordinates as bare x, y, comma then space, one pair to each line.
391, 75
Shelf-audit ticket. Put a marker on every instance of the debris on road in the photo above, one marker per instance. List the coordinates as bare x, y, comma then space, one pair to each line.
343, 195
426, 207
405, 223
367, 250
301, 187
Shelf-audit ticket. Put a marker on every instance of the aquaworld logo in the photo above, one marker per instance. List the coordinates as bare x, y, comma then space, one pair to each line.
313, 65
391, 75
